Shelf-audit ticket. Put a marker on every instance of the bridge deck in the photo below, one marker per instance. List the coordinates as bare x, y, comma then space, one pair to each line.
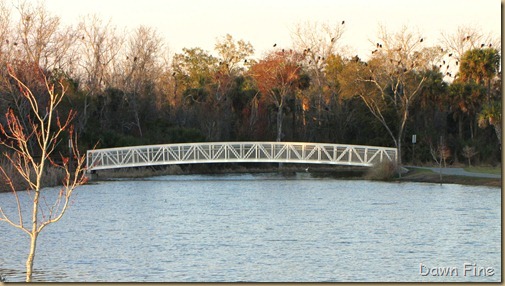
238, 152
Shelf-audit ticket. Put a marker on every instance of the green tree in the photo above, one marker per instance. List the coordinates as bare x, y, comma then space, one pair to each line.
464, 100
194, 68
429, 118
480, 66
491, 115
477, 70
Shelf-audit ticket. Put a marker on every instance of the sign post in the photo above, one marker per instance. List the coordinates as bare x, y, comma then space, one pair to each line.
414, 139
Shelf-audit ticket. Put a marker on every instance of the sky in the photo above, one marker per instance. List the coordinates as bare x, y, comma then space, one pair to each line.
199, 23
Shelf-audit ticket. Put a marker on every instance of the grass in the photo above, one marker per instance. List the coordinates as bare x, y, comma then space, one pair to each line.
428, 176
487, 170
421, 170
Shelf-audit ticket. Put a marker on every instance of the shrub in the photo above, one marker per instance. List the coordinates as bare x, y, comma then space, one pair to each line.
53, 177
382, 171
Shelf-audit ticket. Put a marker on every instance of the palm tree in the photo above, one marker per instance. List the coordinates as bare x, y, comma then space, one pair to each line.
479, 65
464, 100
491, 115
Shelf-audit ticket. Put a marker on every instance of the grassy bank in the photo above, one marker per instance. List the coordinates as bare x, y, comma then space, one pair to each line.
428, 176
486, 170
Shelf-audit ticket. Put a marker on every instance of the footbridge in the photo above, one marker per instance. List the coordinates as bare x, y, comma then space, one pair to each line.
238, 152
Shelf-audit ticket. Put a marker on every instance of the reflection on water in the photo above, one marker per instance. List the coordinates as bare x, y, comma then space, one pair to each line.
264, 228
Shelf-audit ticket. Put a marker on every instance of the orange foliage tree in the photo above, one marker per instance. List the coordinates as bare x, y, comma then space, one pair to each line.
277, 76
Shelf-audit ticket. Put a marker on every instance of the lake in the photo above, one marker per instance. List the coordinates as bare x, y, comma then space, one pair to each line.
264, 228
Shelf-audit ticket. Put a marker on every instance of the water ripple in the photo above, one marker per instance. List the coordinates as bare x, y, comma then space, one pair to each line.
263, 228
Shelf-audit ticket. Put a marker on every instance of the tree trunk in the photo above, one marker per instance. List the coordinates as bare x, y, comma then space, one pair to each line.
33, 238
31, 256
497, 129
294, 135
399, 146
279, 123
471, 128
460, 127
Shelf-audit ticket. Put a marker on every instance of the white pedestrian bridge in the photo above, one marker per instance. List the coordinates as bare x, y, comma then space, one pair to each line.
239, 152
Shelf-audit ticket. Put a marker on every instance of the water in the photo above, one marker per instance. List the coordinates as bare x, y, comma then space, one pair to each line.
265, 228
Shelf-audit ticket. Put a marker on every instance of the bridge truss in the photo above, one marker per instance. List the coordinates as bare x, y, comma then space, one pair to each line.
239, 152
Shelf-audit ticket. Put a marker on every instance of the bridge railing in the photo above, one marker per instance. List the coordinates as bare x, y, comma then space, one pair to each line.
235, 152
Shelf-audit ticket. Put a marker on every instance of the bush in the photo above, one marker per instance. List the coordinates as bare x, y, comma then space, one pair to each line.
52, 177
382, 172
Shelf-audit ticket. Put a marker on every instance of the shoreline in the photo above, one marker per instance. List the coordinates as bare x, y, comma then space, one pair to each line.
336, 172
432, 177
412, 174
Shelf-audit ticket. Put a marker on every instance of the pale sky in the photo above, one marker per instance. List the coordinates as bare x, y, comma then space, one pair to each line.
198, 23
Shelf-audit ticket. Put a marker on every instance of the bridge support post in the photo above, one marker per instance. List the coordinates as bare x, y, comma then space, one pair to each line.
92, 175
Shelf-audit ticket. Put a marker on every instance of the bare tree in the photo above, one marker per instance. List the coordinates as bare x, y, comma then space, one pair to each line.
35, 42
234, 55
8, 46
464, 39
43, 41
141, 69
46, 130
6, 40
468, 153
390, 80
318, 43
100, 47
440, 155
467, 38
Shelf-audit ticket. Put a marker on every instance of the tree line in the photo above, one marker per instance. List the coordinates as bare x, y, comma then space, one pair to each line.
128, 89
